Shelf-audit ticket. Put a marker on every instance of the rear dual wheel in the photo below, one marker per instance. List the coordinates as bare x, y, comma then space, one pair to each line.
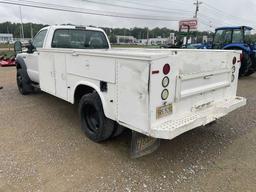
94, 123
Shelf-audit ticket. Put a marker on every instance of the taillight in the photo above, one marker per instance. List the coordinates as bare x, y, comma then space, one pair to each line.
165, 82
165, 94
166, 69
234, 60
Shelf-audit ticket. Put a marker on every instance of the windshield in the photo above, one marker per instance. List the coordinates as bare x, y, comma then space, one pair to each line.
38, 41
221, 38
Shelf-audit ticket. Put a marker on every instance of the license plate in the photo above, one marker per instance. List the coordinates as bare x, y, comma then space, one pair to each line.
163, 111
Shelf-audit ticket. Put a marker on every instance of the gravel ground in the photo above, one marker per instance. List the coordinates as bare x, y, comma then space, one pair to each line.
43, 149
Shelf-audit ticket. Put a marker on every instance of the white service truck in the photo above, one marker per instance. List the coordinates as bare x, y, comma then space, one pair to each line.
160, 93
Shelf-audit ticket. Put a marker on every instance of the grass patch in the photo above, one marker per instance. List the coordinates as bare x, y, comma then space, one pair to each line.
5, 46
7, 54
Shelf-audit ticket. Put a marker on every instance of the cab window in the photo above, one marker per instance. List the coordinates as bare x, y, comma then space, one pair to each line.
227, 36
79, 39
223, 36
248, 36
38, 41
237, 36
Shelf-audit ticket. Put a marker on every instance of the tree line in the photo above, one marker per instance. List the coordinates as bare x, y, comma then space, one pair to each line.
30, 29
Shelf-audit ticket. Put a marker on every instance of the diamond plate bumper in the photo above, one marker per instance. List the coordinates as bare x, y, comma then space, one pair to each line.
174, 128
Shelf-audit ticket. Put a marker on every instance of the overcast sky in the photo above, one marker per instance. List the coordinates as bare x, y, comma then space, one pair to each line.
212, 13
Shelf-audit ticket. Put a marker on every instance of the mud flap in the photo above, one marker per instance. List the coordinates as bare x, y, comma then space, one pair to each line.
142, 145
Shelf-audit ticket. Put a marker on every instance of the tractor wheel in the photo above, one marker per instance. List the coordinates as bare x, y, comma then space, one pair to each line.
96, 126
246, 65
253, 67
250, 72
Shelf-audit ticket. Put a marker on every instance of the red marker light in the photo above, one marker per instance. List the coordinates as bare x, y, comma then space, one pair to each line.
234, 60
166, 69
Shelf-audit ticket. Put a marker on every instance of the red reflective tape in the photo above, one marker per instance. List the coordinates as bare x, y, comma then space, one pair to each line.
155, 72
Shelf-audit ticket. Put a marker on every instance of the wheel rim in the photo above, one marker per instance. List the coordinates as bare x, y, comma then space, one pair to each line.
19, 82
91, 118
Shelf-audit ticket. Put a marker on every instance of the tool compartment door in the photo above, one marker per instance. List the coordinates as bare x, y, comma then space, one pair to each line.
204, 72
198, 83
133, 79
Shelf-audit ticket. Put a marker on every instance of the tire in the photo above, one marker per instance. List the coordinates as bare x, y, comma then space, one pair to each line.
94, 123
118, 130
246, 65
23, 83
250, 72
253, 66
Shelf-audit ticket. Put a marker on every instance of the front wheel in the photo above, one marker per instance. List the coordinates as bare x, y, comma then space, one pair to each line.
93, 121
23, 85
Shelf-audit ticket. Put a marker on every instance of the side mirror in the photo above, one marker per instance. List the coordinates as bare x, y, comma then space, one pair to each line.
31, 48
17, 47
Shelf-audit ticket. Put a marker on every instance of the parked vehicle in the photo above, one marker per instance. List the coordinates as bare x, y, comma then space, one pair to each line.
7, 60
238, 38
160, 93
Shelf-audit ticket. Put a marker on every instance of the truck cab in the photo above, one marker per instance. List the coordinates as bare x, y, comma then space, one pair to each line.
61, 36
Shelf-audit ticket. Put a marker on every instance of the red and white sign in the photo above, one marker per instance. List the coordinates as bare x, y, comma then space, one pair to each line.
192, 23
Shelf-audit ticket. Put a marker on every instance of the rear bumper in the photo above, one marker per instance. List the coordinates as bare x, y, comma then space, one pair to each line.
174, 128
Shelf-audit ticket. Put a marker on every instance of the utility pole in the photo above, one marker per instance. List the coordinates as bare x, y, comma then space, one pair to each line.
197, 4
7, 27
21, 20
147, 37
31, 31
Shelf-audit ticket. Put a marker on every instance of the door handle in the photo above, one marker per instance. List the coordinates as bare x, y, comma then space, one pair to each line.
75, 54
208, 76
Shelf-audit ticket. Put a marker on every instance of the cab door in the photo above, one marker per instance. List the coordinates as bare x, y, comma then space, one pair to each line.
52, 67
60, 75
31, 59
47, 73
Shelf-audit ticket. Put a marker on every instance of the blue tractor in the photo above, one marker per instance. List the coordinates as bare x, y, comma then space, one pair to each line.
238, 38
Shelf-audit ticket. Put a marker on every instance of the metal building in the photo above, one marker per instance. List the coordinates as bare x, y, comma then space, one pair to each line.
6, 37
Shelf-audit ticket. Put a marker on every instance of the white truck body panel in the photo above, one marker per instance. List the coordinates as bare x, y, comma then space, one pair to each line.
201, 87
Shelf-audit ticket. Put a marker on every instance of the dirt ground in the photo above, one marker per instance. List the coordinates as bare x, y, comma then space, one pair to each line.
43, 149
